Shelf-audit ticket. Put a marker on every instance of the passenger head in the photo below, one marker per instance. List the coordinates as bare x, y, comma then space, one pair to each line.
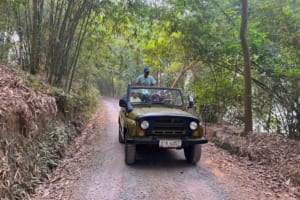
146, 72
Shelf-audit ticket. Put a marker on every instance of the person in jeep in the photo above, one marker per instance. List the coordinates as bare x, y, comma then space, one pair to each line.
135, 98
145, 79
159, 96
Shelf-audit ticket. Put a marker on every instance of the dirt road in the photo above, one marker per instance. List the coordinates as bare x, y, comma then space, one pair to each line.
94, 169
163, 174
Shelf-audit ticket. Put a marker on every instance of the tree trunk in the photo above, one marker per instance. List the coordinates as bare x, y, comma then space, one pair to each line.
182, 72
247, 70
82, 32
34, 38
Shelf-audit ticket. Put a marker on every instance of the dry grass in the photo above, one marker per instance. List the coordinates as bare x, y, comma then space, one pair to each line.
33, 136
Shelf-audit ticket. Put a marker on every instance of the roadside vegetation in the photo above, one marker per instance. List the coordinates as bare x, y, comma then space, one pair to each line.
38, 122
63, 54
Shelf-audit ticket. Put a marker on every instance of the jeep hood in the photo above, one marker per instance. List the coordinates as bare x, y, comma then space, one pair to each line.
161, 111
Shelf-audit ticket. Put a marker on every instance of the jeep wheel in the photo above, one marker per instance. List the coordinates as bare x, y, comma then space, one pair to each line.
121, 140
130, 150
192, 153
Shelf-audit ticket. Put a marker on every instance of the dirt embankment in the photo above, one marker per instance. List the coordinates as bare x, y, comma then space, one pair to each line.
272, 157
33, 134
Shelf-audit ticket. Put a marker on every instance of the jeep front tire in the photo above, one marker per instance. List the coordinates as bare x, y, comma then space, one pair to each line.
121, 132
130, 151
192, 153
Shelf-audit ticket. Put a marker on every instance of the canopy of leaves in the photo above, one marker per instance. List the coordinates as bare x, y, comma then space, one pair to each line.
195, 45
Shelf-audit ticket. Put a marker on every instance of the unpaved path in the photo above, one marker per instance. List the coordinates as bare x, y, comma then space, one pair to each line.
156, 175
94, 169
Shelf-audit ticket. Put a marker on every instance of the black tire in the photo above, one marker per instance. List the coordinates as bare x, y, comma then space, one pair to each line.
130, 151
121, 139
193, 153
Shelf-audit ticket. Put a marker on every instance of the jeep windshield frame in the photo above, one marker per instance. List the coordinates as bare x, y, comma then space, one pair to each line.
148, 96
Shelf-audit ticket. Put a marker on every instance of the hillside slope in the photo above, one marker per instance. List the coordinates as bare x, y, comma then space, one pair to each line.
34, 132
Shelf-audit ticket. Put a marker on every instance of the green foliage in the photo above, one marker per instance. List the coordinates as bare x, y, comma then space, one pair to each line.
175, 34
83, 104
6, 44
33, 83
174, 37
88, 101
121, 37
222, 90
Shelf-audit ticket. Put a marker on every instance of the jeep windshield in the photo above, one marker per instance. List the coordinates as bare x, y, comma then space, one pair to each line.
155, 96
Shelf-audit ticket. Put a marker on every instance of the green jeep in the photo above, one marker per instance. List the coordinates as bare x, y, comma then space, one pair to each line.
157, 116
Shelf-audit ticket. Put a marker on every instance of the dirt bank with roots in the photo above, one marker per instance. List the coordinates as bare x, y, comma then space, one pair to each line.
34, 133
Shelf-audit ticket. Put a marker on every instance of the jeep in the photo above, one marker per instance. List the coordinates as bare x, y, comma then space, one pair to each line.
158, 116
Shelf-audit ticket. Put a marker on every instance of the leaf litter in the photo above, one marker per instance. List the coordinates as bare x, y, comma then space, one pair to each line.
271, 162
25, 158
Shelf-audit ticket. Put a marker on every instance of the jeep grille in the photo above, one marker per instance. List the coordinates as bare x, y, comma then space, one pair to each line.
168, 126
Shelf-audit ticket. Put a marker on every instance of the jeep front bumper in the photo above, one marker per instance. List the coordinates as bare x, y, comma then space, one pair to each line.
155, 141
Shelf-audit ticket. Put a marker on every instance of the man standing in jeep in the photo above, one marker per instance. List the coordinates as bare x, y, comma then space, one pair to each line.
145, 79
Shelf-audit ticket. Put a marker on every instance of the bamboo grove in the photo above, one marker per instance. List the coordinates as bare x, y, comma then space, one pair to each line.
194, 45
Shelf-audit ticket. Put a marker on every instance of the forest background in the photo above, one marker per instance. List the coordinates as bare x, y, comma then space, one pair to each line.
87, 47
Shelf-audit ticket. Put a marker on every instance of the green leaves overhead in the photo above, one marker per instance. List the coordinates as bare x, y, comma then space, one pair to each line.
180, 37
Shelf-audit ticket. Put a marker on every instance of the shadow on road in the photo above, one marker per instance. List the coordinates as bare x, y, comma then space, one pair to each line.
149, 157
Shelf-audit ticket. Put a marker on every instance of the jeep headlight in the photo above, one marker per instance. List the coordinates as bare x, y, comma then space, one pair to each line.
193, 125
144, 125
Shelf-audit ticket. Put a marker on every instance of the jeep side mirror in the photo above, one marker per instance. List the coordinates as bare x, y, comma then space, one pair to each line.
129, 107
123, 103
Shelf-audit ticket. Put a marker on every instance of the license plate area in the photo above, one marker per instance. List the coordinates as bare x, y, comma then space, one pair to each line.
170, 143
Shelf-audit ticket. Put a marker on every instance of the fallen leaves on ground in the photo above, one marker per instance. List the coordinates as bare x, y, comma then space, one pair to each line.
270, 161
18, 99
21, 109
